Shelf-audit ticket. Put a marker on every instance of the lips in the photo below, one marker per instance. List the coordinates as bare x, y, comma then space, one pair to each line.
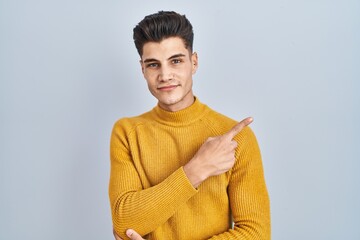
167, 88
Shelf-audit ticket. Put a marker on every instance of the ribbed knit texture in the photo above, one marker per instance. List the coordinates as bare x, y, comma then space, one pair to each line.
150, 193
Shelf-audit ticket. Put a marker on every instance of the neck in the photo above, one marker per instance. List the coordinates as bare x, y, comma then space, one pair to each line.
182, 117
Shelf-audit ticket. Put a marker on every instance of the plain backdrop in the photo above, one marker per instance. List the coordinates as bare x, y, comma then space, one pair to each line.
69, 70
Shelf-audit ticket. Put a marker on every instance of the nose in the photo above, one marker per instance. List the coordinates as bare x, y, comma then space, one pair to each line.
165, 74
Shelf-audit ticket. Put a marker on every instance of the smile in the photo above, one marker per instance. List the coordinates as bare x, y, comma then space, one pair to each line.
167, 88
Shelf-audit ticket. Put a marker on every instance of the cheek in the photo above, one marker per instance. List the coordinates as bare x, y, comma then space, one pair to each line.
187, 75
185, 71
150, 78
152, 89
151, 85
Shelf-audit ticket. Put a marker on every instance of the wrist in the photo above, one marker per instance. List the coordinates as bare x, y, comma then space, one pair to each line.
195, 176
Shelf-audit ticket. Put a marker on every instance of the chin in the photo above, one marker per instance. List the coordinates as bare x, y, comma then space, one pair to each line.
170, 100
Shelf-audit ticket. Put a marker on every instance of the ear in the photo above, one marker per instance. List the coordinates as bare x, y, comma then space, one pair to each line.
142, 66
194, 62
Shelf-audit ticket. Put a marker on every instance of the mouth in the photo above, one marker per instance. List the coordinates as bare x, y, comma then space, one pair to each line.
167, 88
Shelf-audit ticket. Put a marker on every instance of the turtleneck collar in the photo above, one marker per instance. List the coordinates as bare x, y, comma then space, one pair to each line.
182, 117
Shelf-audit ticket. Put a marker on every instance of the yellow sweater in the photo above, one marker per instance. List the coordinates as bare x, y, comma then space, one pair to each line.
150, 193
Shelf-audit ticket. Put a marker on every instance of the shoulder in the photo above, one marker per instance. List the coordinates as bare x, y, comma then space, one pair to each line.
127, 125
124, 128
218, 121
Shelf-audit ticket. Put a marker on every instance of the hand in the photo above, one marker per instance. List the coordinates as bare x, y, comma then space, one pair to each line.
130, 233
133, 235
215, 156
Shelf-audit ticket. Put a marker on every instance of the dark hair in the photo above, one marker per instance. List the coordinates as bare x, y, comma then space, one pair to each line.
159, 26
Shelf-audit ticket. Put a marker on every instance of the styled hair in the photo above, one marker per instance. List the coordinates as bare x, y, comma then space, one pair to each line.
159, 26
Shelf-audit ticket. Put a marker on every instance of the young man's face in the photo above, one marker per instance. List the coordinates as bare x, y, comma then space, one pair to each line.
168, 68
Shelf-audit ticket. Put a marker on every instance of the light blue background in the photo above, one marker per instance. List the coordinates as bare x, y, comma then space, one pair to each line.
69, 70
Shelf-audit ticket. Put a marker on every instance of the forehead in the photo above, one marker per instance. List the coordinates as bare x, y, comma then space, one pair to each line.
164, 49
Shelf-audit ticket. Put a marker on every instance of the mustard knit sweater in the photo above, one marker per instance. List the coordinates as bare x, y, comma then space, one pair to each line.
150, 193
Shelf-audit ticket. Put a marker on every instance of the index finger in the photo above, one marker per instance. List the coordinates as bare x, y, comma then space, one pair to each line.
238, 127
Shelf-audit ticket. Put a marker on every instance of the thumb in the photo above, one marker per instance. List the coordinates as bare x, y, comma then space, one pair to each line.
133, 235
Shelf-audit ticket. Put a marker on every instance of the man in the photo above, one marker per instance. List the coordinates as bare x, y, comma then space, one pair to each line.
182, 170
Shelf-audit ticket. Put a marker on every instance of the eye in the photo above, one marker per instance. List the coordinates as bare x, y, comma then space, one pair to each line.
176, 61
152, 65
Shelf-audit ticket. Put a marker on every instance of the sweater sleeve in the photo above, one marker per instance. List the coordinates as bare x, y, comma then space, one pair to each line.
249, 200
134, 207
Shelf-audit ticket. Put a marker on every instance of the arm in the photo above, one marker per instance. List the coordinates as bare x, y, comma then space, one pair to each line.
132, 206
138, 208
249, 200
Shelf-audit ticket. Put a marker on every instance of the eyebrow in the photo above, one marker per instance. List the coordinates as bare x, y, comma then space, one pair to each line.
176, 56
172, 57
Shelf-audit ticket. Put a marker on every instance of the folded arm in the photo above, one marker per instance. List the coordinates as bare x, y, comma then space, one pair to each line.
145, 209
138, 208
135, 204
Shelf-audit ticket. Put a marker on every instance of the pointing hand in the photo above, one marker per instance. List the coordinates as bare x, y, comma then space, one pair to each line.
215, 156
